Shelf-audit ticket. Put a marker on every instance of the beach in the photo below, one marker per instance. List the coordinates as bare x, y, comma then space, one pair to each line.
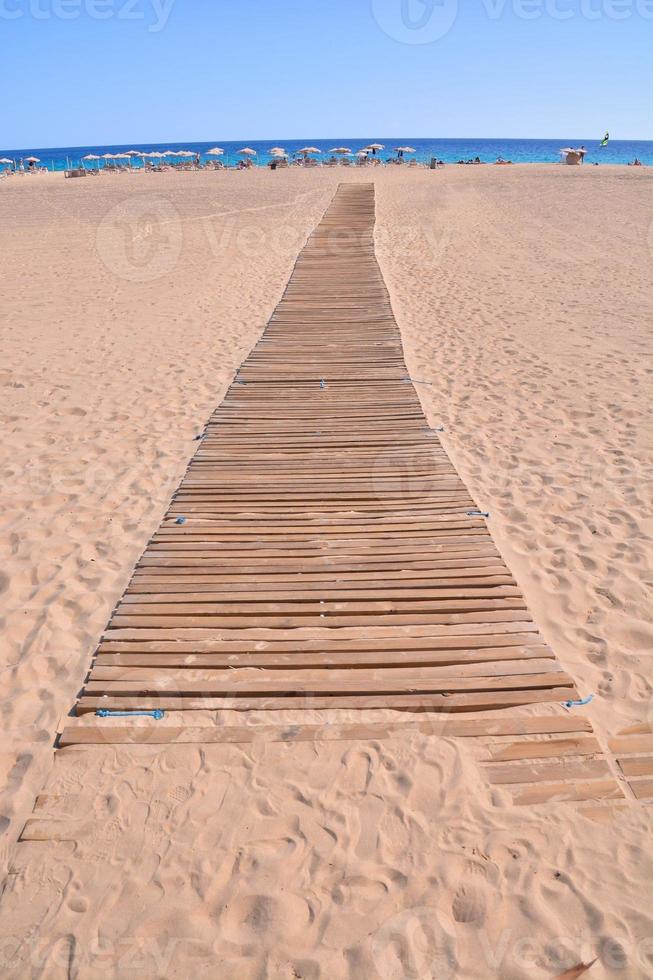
524, 299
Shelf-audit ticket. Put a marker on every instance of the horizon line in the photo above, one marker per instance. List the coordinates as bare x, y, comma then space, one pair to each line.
252, 139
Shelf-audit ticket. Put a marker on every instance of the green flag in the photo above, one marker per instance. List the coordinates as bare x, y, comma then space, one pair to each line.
605, 140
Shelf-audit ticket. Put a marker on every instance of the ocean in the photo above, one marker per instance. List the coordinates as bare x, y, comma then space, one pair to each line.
449, 150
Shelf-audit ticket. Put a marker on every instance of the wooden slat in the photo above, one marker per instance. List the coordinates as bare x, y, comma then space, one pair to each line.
550, 749
549, 771
564, 792
157, 734
641, 766
642, 788
270, 702
631, 744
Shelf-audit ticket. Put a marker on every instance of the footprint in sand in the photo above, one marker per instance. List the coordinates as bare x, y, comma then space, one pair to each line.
359, 767
469, 904
265, 918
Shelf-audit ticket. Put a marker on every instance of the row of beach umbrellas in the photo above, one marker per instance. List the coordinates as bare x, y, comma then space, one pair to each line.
6, 160
276, 151
217, 151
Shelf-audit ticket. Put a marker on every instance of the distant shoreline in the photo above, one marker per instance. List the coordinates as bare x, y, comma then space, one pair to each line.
531, 151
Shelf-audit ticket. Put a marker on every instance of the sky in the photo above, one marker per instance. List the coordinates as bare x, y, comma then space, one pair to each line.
85, 72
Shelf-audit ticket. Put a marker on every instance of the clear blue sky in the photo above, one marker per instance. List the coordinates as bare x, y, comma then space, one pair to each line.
159, 70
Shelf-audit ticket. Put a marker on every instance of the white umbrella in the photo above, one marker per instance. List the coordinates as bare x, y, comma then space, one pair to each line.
169, 153
186, 153
405, 149
375, 146
309, 149
248, 151
277, 150
5, 160
134, 153
92, 156
32, 160
340, 149
215, 152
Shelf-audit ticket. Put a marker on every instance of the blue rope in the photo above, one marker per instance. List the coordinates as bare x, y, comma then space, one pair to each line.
578, 704
106, 713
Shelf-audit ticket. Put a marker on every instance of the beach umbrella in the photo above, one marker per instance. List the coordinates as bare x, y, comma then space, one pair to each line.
5, 160
375, 146
309, 149
32, 160
340, 149
134, 153
186, 153
248, 151
277, 151
215, 152
92, 156
169, 153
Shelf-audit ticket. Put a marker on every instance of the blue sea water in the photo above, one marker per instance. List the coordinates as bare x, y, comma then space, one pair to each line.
449, 150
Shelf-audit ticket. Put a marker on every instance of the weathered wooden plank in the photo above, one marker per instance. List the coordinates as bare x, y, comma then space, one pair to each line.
597, 789
550, 749
549, 771
631, 744
640, 766
324, 682
404, 702
492, 657
156, 734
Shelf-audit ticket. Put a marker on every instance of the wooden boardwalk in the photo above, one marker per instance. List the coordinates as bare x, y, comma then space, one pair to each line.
321, 551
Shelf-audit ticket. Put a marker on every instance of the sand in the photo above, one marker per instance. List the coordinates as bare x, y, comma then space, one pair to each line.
524, 297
